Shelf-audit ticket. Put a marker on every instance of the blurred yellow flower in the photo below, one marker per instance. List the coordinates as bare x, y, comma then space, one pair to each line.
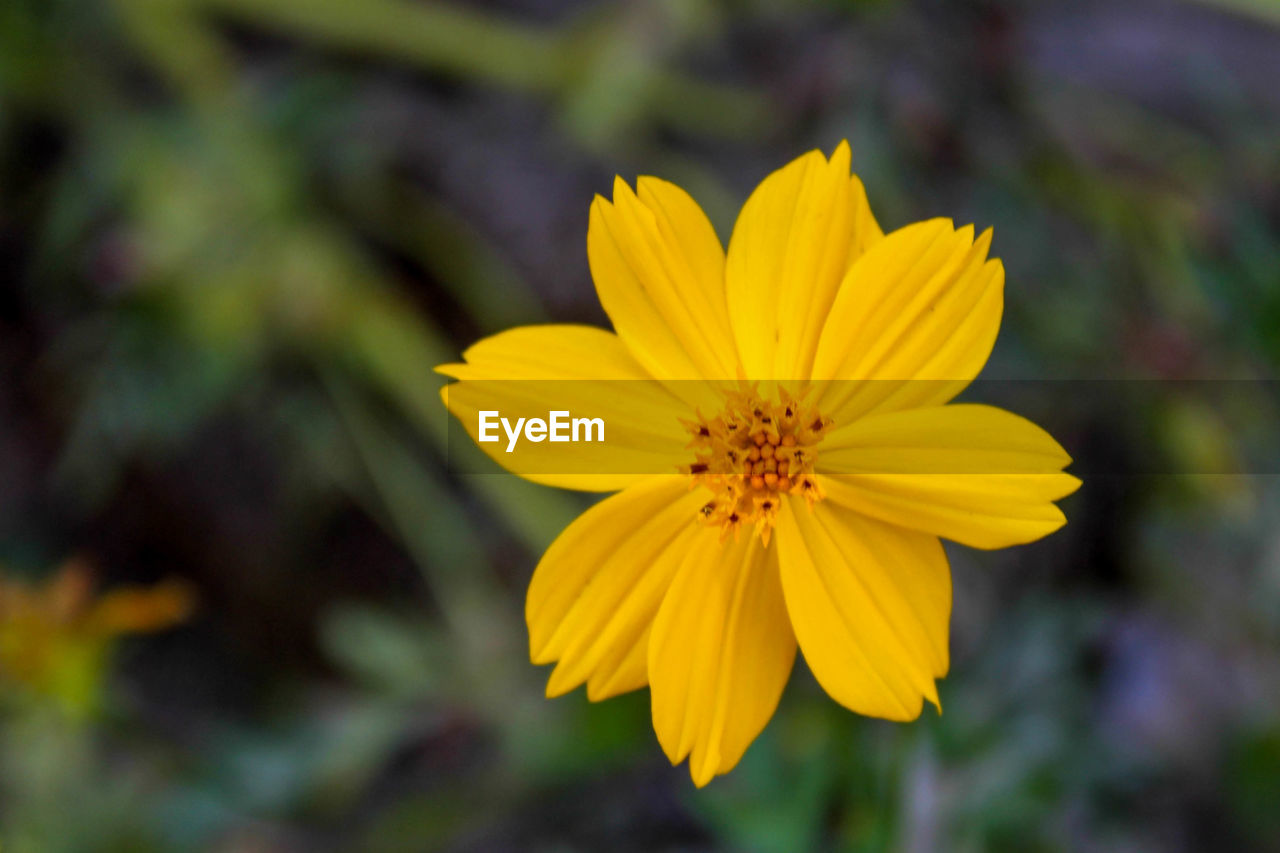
55, 639
834, 451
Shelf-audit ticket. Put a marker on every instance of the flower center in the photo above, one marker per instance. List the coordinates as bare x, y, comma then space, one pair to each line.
752, 454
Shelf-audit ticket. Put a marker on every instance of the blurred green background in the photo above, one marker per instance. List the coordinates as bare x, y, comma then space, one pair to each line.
235, 236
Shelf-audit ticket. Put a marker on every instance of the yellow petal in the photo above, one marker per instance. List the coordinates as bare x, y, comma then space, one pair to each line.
622, 671
975, 474
597, 588
588, 372
721, 652
553, 351
136, 610
659, 271
918, 313
67, 594
792, 243
870, 604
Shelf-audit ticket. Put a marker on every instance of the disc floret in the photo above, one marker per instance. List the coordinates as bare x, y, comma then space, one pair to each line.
752, 455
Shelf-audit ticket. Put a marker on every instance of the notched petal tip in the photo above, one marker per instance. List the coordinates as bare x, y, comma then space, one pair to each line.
599, 209
646, 184
621, 189
538, 654
996, 266
812, 159
600, 206
599, 689
841, 159
1055, 519
708, 768
901, 712
560, 682
931, 694
668, 737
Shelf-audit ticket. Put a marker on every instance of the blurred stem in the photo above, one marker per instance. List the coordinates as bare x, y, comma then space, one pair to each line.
708, 109
422, 514
175, 39
395, 349
384, 338
420, 227
434, 35
474, 273
477, 46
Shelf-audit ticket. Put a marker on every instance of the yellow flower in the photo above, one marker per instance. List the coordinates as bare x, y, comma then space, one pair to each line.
806, 505
54, 639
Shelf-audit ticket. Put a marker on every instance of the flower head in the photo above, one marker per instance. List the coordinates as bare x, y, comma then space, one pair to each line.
793, 494
55, 638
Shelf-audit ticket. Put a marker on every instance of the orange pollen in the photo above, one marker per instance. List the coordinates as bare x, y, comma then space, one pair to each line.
751, 455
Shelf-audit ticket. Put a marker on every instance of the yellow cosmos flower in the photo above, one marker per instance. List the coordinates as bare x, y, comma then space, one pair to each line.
55, 638
805, 507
